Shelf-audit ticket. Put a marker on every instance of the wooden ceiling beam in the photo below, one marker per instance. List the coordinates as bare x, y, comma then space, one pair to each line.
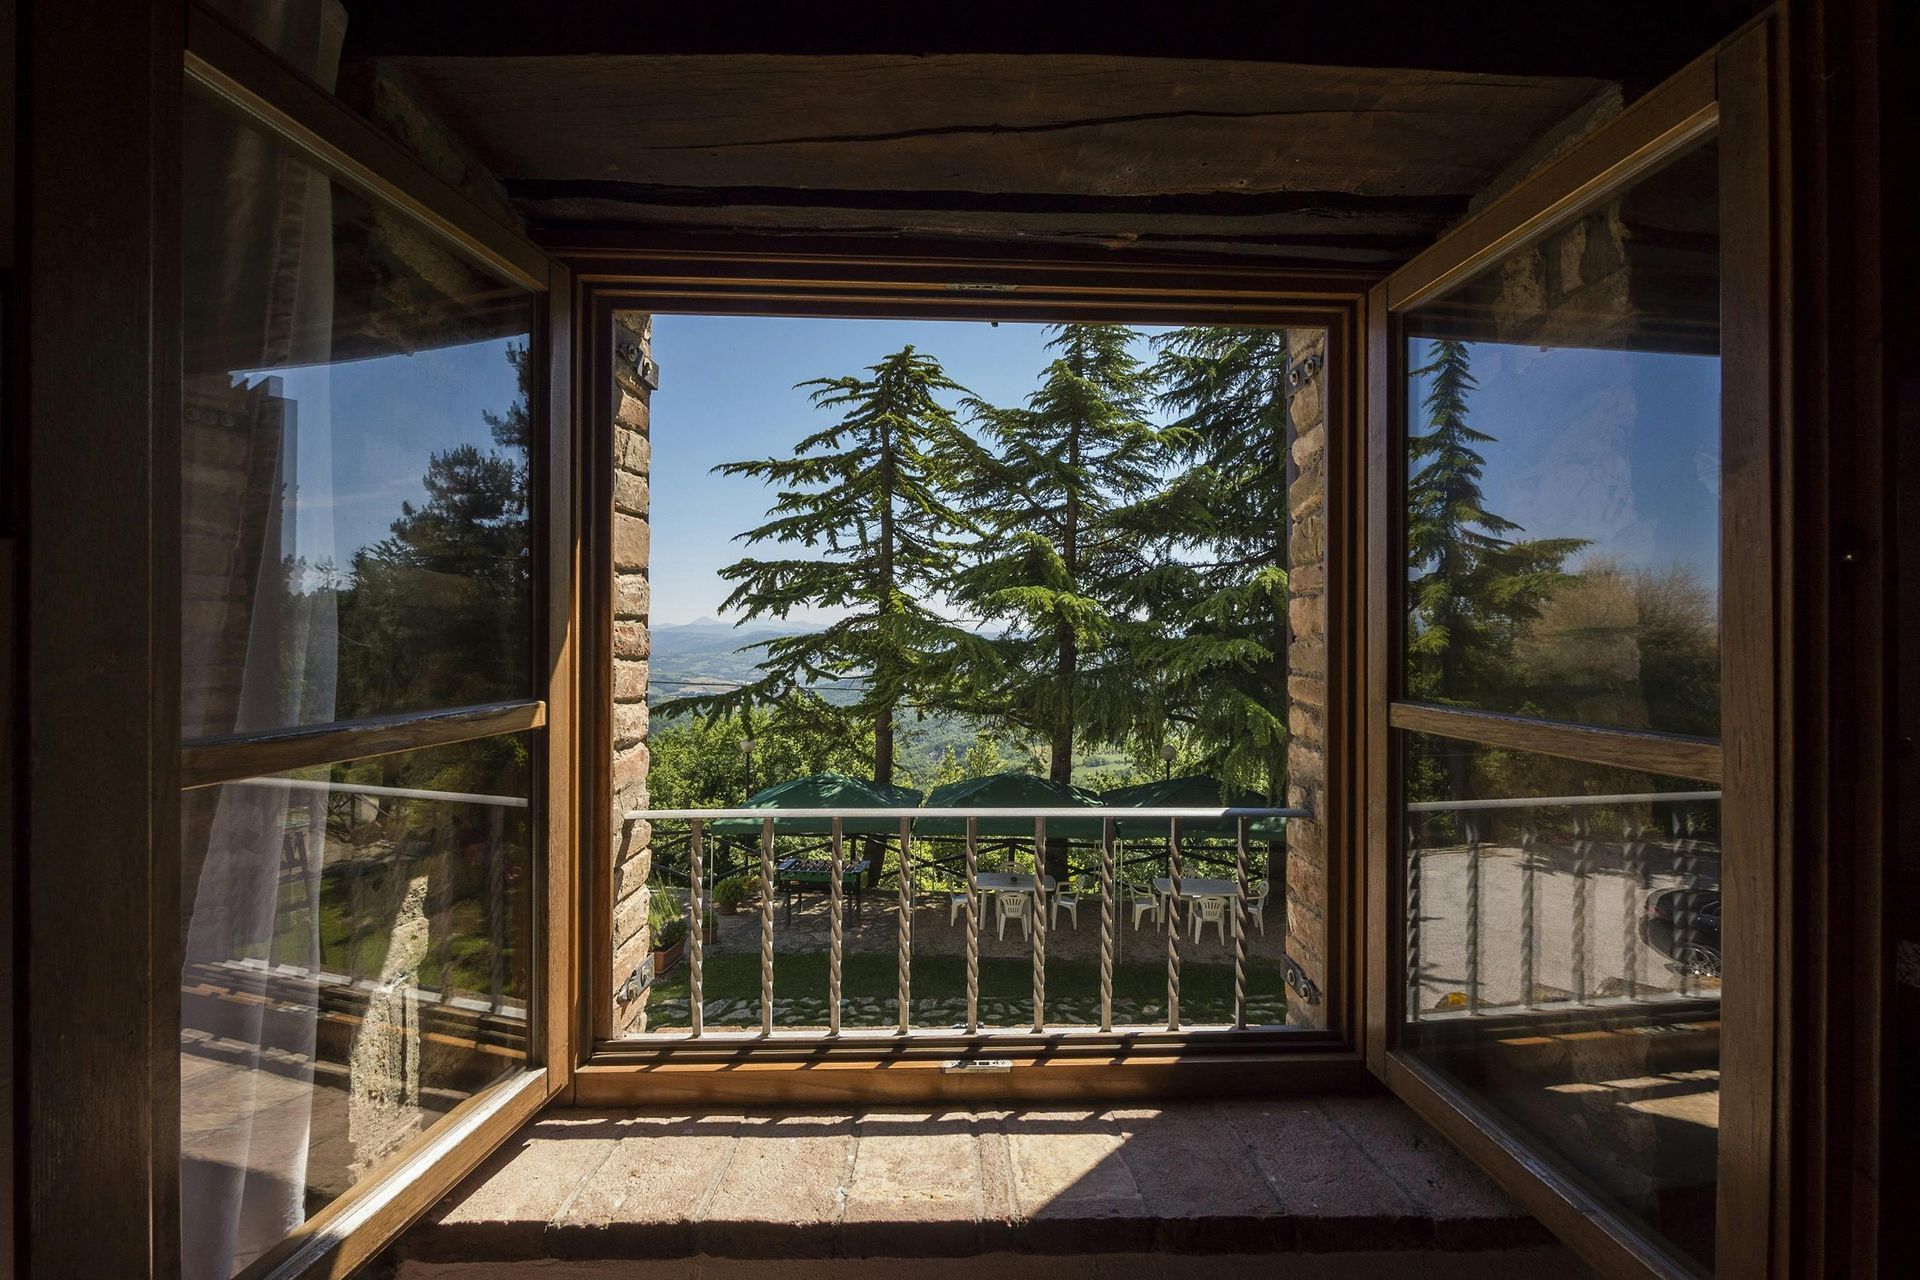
1637, 42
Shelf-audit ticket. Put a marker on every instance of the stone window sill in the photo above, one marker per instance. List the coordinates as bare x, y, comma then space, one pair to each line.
1357, 1177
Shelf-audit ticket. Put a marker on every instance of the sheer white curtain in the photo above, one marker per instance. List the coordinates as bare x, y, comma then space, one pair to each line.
260, 651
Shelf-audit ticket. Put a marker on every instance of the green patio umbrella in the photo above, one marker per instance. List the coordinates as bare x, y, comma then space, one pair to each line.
1010, 791
822, 791
1195, 791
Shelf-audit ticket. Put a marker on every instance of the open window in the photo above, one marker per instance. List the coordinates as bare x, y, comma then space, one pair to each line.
368, 677
1573, 418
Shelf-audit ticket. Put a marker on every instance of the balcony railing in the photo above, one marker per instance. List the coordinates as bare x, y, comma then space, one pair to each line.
1179, 901
1571, 850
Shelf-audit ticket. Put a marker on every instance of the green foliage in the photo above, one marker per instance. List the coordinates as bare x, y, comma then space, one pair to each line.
1223, 590
867, 498
732, 891
1051, 491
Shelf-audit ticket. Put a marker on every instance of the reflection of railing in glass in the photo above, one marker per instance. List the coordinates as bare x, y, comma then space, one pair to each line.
1031, 899
293, 866
1450, 962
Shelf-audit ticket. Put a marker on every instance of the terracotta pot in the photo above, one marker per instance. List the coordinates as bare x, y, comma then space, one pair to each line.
667, 957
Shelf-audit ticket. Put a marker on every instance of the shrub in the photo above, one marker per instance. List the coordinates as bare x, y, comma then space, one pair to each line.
670, 934
732, 892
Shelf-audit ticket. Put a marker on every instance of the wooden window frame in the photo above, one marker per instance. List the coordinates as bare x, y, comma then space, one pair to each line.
1730, 94
618, 272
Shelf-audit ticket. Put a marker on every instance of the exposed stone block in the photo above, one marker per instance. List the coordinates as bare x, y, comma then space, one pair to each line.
1308, 448
630, 540
630, 409
630, 767
1311, 690
1306, 615
1307, 657
629, 722
633, 452
630, 640
630, 492
629, 680
630, 915
632, 595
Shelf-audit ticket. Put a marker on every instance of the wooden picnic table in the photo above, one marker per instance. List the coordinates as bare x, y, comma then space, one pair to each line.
796, 875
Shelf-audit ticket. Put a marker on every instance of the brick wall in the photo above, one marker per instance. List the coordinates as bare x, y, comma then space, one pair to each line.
634, 381
1306, 890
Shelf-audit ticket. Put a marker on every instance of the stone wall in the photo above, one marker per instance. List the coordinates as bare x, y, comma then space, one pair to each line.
634, 380
1306, 890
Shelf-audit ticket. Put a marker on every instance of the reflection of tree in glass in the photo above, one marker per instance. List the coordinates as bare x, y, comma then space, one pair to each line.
1471, 589
439, 612
1630, 647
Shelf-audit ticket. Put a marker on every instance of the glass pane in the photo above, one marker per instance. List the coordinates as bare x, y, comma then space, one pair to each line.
358, 953
1563, 964
1563, 470
355, 466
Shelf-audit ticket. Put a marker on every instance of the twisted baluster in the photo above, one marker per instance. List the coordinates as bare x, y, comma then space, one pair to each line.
696, 936
1107, 913
835, 927
1529, 837
1040, 924
1473, 915
1173, 928
973, 925
904, 940
766, 927
1240, 925
1413, 923
1634, 881
1582, 869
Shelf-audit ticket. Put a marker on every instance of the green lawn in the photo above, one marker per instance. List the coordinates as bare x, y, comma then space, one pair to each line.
731, 989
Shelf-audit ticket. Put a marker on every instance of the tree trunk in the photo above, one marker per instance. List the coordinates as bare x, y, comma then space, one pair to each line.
1067, 666
883, 747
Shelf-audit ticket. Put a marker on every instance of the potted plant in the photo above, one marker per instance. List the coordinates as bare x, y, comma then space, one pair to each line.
730, 894
668, 928
709, 928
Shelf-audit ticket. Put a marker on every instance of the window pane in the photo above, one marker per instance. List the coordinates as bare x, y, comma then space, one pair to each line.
355, 468
1563, 423
1563, 964
358, 953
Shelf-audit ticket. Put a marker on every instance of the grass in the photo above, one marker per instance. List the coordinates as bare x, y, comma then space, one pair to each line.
1140, 990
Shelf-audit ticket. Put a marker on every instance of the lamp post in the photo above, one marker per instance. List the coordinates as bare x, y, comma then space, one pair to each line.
1167, 752
746, 749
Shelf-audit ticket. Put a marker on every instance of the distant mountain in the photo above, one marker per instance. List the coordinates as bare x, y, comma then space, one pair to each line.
705, 654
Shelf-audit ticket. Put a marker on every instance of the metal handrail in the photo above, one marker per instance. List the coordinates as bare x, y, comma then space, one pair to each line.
947, 813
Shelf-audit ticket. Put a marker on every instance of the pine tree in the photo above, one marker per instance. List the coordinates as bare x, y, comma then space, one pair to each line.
1053, 494
868, 500
1220, 669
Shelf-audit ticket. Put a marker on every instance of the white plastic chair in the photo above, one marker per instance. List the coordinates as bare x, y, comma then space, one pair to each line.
1256, 908
956, 903
1070, 901
1013, 906
1143, 902
1209, 911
